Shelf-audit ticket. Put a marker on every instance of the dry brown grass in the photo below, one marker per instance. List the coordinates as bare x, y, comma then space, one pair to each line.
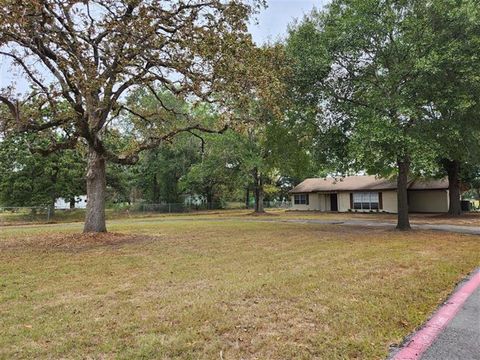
190, 289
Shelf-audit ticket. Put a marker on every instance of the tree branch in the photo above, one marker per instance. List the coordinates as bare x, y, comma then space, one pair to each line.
71, 143
132, 157
11, 107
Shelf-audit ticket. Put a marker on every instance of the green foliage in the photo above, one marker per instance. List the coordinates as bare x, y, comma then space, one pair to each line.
231, 159
310, 62
361, 86
31, 179
159, 171
217, 174
325, 139
450, 80
371, 79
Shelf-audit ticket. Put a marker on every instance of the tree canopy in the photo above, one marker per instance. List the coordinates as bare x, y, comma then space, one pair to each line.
178, 91
369, 77
94, 52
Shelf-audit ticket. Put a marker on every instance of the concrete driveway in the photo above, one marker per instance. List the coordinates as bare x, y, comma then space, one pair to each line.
472, 230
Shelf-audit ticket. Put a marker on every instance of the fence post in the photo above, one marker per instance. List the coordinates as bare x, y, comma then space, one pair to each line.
169, 208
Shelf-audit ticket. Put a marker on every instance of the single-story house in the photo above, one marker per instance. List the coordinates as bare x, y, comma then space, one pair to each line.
64, 204
368, 193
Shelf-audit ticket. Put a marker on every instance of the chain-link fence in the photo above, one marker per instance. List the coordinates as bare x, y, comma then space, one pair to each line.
31, 214
173, 207
191, 207
45, 214
274, 204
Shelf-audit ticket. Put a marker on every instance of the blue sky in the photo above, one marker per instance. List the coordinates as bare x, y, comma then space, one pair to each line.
272, 25
273, 21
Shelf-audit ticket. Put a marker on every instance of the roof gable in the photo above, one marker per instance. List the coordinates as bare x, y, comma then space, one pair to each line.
364, 183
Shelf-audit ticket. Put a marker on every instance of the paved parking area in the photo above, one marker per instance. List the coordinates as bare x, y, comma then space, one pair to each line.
460, 340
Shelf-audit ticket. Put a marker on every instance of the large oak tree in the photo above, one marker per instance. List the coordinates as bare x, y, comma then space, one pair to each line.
450, 88
90, 54
363, 94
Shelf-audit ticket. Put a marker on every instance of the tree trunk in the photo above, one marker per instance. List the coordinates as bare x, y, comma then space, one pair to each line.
209, 199
155, 190
258, 192
52, 206
403, 222
260, 196
96, 188
72, 202
247, 197
53, 190
452, 168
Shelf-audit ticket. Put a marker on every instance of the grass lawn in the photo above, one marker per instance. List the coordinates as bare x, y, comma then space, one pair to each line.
178, 287
25, 217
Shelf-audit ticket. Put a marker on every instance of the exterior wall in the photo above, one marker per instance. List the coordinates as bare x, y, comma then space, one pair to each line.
319, 202
390, 202
428, 201
324, 202
389, 199
418, 201
343, 201
313, 203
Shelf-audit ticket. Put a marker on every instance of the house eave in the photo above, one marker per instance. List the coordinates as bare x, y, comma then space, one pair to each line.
361, 190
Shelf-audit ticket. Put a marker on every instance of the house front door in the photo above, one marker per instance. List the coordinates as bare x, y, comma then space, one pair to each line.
333, 202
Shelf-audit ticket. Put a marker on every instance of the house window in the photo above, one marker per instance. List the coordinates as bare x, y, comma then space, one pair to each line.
365, 201
300, 199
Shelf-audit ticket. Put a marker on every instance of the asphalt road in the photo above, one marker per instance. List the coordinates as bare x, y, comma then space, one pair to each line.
460, 340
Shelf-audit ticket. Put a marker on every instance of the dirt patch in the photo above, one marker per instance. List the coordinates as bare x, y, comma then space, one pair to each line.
268, 214
75, 242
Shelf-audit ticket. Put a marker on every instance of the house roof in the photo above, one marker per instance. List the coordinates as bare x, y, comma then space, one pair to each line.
364, 183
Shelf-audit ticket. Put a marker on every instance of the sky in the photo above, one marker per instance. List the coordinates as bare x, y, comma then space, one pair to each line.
273, 21
272, 24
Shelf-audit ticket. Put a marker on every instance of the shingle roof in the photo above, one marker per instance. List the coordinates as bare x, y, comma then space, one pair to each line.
364, 183
431, 184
